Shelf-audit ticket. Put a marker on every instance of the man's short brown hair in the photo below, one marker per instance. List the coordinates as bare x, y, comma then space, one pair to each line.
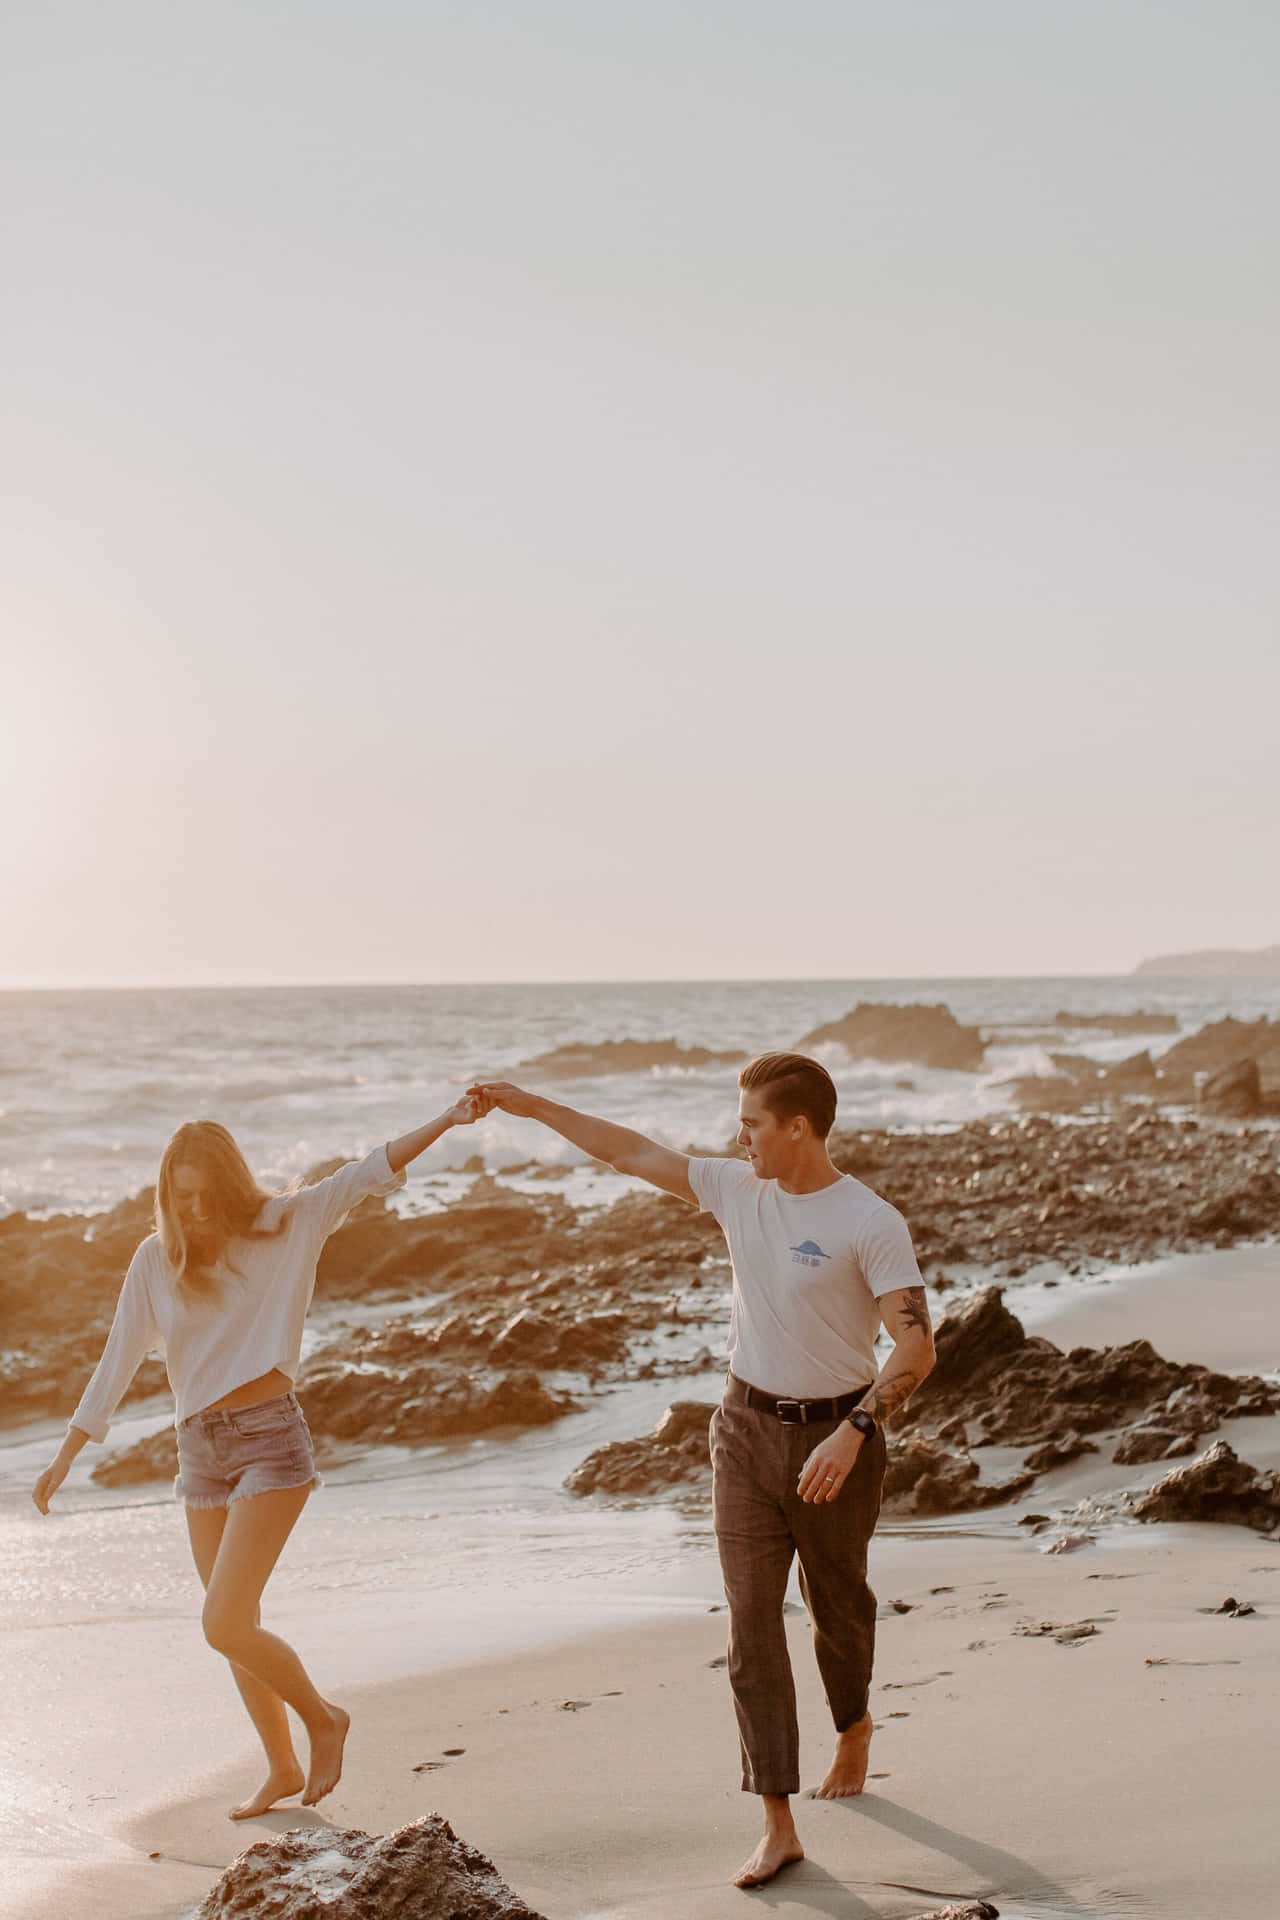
790, 1084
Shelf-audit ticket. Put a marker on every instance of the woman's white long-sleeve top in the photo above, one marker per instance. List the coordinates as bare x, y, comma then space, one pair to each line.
255, 1322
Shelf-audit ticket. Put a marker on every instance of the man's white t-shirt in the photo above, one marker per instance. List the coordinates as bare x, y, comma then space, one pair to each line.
808, 1272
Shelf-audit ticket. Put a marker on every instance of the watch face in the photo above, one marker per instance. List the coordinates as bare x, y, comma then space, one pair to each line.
863, 1422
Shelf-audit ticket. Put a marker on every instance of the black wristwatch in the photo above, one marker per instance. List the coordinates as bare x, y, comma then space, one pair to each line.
865, 1425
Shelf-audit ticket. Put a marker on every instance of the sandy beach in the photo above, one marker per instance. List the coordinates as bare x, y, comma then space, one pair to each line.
1122, 1771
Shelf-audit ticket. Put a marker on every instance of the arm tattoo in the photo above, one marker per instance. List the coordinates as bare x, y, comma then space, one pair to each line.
915, 1310
889, 1393
901, 1375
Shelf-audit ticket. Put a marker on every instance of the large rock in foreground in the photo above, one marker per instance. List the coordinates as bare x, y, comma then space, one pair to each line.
1217, 1486
927, 1036
340, 1873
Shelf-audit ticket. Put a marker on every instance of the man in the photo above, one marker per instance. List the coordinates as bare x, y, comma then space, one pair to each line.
819, 1262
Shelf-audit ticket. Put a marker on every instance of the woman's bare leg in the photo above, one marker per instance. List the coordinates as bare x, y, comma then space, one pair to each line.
265, 1708
253, 1536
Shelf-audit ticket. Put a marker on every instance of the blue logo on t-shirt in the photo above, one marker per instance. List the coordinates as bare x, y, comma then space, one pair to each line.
808, 1254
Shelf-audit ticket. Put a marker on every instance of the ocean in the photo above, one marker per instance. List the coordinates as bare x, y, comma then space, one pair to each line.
93, 1082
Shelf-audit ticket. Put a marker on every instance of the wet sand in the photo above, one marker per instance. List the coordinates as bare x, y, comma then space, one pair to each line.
1127, 1771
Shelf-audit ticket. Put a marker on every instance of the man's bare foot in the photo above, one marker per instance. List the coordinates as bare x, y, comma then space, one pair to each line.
848, 1772
774, 1852
280, 1784
326, 1756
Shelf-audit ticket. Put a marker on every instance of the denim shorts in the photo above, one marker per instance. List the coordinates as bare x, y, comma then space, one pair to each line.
231, 1453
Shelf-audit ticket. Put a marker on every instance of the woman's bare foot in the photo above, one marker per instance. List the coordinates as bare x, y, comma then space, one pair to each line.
770, 1857
280, 1784
848, 1774
326, 1756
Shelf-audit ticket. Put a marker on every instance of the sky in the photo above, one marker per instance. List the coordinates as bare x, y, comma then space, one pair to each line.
561, 491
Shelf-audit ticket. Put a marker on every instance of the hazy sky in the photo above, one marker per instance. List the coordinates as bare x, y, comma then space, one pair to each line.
530, 491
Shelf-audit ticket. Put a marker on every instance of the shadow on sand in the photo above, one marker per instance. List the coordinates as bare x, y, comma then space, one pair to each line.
1006, 1880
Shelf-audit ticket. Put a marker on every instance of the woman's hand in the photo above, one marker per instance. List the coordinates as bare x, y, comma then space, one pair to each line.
501, 1093
54, 1473
465, 1112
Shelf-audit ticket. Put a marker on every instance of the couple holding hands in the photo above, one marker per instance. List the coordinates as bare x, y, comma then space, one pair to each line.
820, 1264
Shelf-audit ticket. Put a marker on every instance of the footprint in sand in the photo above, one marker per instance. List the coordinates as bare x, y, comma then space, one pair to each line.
433, 1766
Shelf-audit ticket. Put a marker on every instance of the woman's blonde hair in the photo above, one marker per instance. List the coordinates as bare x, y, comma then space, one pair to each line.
235, 1200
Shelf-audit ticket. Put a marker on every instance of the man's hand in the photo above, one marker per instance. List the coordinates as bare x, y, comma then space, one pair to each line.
511, 1099
829, 1465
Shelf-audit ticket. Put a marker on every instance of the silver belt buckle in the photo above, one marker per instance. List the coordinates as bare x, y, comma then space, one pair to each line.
791, 1413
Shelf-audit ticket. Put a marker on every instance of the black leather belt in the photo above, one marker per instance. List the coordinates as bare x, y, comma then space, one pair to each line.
797, 1413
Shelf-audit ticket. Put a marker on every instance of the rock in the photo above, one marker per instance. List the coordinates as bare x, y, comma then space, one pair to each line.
1119, 1022
674, 1454
1136, 1074
1143, 1443
1233, 1093
155, 1458
1241, 1213
1058, 1452
973, 1336
530, 1338
966, 1910
1021, 1391
1220, 1044
341, 1873
922, 1478
1268, 1065
583, 1058
1216, 1486
931, 1036
389, 1388
683, 1420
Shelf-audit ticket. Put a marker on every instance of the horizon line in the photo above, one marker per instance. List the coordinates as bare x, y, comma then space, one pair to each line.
610, 980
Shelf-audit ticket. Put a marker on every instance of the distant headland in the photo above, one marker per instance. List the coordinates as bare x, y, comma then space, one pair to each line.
1263, 963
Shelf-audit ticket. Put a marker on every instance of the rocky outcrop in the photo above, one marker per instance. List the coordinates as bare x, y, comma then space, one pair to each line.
341, 1873
1220, 1044
584, 1059
1151, 1441
1136, 1074
923, 1478
963, 1910
928, 1036
1023, 1391
155, 1458
1010, 1193
1216, 1486
388, 1388
492, 1230
1234, 1093
674, 1454
1118, 1022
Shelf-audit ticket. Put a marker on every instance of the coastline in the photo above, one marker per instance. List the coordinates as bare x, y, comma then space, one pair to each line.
1059, 1778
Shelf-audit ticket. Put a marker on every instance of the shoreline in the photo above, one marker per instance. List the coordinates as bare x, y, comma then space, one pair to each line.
1035, 1771
600, 1773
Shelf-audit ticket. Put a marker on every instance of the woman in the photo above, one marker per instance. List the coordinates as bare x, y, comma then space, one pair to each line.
222, 1288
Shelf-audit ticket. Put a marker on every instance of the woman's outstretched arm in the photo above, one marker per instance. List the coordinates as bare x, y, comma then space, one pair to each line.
463, 1112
